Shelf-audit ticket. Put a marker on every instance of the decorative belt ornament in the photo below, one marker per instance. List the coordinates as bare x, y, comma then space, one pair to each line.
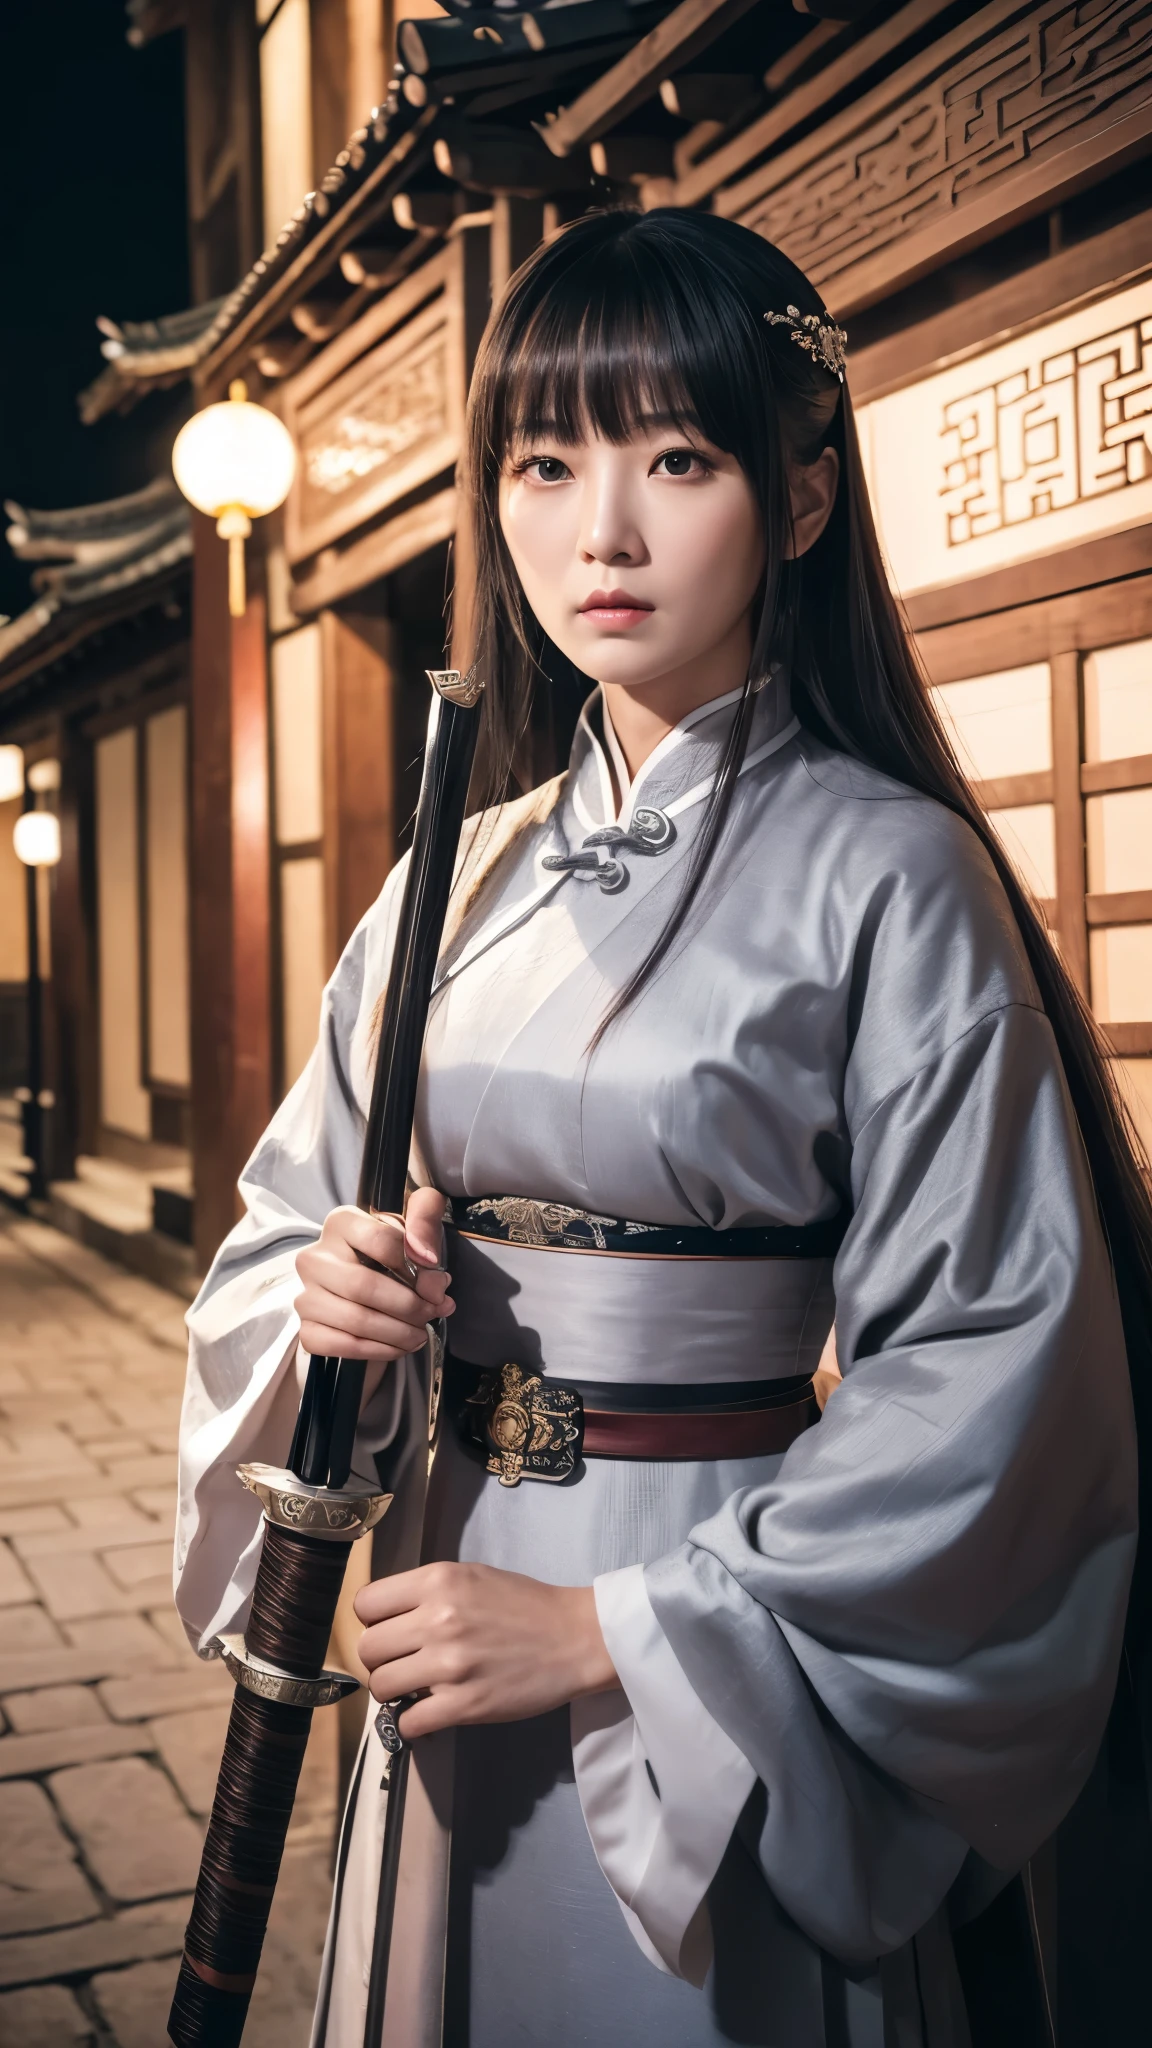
529, 1429
516, 1219
652, 831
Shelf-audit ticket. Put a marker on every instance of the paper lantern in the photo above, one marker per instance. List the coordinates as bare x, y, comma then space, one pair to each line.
235, 461
36, 838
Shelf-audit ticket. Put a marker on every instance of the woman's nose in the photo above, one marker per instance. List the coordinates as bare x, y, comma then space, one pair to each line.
609, 529
610, 536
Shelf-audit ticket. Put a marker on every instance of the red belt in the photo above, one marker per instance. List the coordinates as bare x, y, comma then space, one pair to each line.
740, 1433
529, 1426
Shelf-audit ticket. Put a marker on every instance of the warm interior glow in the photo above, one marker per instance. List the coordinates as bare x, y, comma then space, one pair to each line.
37, 838
1000, 724
44, 775
234, 457
11, 773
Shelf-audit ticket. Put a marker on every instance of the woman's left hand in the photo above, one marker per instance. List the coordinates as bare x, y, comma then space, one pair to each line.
485, 1645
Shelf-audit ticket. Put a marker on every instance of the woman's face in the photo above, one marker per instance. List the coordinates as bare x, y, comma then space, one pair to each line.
642, 562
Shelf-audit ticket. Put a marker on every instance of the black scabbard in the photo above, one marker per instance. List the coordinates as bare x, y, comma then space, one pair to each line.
311, 1514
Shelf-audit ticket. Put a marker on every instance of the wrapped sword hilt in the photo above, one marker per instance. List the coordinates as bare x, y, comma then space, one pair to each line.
311, 1515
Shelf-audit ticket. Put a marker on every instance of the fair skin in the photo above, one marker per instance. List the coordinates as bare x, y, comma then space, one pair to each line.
643, 563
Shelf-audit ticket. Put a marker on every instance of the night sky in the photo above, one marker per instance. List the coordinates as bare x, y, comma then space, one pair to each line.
92, 147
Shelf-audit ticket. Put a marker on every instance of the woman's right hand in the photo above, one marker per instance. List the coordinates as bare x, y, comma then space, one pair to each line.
347, 1310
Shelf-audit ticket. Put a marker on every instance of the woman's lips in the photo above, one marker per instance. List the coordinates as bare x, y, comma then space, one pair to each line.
615, 608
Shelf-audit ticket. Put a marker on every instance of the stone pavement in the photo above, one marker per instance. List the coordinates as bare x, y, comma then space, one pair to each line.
110, 1728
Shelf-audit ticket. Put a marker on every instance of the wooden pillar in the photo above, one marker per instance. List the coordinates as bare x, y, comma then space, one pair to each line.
1071, 877
230, 864
360, 823
517, 226
367, 59
73, 987
474, 249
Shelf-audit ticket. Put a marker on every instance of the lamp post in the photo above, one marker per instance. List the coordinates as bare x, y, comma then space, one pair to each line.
235, 461
36, 838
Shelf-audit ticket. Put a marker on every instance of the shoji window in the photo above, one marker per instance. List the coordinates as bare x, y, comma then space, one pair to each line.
168, 1049
1001, 727
1116, 780
1060, 754
142, 923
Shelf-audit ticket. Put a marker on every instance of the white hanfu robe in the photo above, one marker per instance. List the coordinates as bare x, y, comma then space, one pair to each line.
862, 1680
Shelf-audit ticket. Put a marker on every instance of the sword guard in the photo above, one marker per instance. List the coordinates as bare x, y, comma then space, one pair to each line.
335, 1513
270, 1682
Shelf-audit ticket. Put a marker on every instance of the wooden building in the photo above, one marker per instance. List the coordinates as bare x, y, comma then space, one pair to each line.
94, 687
970, 188
359, 325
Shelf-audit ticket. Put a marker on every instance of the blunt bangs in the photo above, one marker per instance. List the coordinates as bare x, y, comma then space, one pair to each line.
617, 328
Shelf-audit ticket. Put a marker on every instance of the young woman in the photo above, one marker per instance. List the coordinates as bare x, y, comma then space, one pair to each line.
741, 1026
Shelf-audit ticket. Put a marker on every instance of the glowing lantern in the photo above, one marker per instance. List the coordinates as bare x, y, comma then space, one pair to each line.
235, 461
36, 838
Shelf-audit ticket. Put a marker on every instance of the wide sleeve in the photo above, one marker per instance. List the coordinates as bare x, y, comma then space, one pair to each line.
241, 1393
912, 1631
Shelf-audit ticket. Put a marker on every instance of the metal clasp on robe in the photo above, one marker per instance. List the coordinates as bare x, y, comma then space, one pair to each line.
528, 1428
651, 831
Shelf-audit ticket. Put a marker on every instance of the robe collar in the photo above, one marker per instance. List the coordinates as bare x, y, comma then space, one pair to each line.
620, 852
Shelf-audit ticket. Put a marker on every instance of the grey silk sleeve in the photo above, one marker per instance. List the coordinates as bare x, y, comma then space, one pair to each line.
241, 1394
912, 1631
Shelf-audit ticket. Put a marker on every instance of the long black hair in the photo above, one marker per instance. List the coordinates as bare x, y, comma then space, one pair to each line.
623, 314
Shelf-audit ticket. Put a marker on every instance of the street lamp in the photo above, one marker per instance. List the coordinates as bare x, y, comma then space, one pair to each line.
235, 461
36, 838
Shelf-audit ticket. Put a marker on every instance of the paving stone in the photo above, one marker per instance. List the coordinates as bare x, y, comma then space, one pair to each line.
97, 1511
129, 1530
108, 1450
166, 1692
32, 1521
45, 2016
26, 1628
90, 1390
135, 2003
34, 1491
157, 1500
132, 1566
173, 1911
41, 1883
168, 1624
98, 1945
44, 1443
130, 1637
24, 1756
161, 1851
74, 1587
54, 1706
88, 1420
27, 1671
15, 1585
191, 1744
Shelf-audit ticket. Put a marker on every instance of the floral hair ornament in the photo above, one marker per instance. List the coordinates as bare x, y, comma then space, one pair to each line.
818, 335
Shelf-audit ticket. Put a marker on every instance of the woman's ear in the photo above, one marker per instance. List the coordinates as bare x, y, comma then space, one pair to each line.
812, 491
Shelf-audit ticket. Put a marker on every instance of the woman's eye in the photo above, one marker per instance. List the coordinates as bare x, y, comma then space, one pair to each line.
547, 469
677, 462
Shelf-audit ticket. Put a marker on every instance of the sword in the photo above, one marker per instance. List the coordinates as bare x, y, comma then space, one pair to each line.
311, 1514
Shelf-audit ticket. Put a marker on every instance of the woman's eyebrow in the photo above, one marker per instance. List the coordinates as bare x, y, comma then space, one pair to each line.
649, 421
683, 422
